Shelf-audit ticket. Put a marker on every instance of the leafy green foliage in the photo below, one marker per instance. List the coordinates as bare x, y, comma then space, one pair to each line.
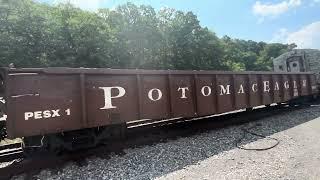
130, 36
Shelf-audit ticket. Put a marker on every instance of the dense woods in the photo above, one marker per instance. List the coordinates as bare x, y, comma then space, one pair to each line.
129, 36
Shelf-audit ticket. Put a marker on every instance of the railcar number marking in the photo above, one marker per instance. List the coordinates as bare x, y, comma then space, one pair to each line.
45, 114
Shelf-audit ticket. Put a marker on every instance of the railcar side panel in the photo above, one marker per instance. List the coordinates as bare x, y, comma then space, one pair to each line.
254, 90
267, 90
313, 85
182, 96
303, 81
225, 97
41, 104
154, 97
295, 86
286, 88
46, 101
240, 88
206, 94
123, 107
277, 88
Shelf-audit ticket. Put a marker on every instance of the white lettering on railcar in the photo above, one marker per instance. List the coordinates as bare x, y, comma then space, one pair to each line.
28, 115
295, 84
286, 85
68, 112
205, 89
150, 94
45, 114
304, 83
55, 113
295, 89
295, 92
266, 86
183, 92
241, 89
37, 114
108, 96
276, 86
156, 94
254, 87
224, 90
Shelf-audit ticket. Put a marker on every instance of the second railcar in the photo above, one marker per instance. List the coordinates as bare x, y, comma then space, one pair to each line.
40, 102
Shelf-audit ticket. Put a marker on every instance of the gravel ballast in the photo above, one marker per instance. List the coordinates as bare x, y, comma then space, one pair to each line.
214, 155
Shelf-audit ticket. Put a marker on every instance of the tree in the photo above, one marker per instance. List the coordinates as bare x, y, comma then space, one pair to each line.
130, 36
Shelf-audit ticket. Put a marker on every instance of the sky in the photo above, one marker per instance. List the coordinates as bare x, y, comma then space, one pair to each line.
283, 21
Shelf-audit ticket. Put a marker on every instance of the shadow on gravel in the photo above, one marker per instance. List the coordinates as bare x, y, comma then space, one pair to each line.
171, 148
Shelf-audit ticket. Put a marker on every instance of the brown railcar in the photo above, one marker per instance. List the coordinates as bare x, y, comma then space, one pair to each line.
55, 100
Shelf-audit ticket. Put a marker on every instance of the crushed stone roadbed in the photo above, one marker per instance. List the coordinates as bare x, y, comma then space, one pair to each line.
214, 155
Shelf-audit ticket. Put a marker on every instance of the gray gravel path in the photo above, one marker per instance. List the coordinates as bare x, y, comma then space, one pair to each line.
213, 155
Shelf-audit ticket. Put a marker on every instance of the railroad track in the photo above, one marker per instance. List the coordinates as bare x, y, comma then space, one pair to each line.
148, 134
11, 152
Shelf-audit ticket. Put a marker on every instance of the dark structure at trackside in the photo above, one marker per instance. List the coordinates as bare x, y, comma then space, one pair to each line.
46, 101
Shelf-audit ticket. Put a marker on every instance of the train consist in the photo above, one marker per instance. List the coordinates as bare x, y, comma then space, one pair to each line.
70, 108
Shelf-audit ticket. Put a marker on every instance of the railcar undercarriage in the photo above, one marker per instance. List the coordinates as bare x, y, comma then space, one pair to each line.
73, 140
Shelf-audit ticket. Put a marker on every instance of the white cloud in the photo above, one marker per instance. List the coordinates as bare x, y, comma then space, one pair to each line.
306, 37
280, 35
91, 5
272, 10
